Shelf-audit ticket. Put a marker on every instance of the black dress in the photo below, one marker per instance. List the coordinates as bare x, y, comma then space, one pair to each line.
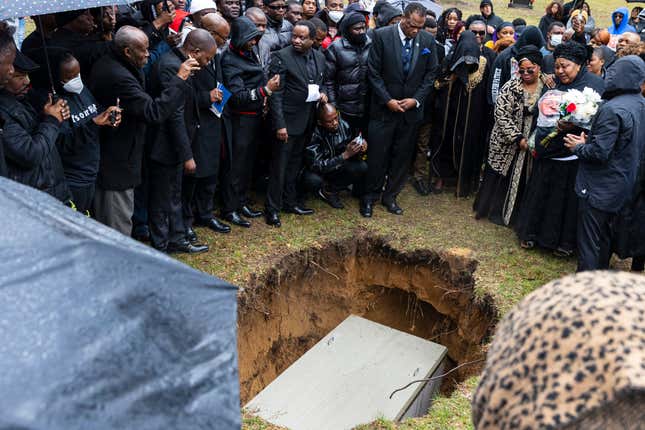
508, 168
549, 211
466, 123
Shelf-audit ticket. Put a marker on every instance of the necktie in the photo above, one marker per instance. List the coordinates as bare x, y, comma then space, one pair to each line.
311, 67
406, 56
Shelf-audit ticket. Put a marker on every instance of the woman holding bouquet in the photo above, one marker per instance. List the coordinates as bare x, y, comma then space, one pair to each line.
548, 214
509, 159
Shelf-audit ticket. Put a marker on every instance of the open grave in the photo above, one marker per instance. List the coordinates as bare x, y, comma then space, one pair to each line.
300, 300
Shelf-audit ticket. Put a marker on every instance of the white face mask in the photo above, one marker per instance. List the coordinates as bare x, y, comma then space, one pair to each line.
74, 85
556, 39
335, 15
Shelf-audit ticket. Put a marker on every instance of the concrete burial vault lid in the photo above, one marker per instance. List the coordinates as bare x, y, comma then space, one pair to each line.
346, 378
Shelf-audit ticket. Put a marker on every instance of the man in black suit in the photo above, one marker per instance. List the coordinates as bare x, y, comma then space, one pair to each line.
171, 152
401, 69
212, 141
301, 71
119, 76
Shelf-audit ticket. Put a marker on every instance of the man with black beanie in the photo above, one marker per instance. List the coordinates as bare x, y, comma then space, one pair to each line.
346, 72
492, 21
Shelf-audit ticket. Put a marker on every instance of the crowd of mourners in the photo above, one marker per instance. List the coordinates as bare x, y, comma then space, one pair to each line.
149, 116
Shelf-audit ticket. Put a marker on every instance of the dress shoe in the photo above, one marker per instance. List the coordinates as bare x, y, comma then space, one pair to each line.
273, 219
217, 226
185, 247
235, 218
249, 212
421, 187
299, 210
366, 209
393, 208
332, 199
191, 236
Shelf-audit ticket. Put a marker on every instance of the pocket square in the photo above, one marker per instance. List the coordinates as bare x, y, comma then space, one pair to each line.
425, 51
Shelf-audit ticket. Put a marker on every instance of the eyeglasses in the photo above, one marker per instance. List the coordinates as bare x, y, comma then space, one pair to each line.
526, 72
283, 7
479, 33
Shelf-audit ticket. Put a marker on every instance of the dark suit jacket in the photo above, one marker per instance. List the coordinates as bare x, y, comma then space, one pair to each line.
122, 148
385, 72
171, 140
288, 106
213, 132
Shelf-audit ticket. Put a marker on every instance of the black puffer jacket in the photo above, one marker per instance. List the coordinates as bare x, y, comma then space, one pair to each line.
243, 72
346, 76
30, 147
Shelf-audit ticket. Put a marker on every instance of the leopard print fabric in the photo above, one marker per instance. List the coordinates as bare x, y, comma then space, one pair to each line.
569, 353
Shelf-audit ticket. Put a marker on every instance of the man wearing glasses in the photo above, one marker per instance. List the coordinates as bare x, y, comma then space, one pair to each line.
278, 32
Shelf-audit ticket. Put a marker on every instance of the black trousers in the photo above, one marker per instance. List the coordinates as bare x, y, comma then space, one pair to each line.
83, 197
286, 160
246, 134
198, 199
165, 217
594, 237
352, 173
359, 123
389, 153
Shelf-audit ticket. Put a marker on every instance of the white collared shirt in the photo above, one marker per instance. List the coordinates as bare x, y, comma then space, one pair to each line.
402, 35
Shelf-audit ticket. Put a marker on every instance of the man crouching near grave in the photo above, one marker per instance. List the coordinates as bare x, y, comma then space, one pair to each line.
333, 158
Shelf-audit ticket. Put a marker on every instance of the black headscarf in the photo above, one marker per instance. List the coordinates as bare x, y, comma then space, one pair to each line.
572, 51
465, 56
531, 53
530, 36
349, 20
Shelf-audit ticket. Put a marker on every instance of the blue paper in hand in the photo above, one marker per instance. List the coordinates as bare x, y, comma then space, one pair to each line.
218, 107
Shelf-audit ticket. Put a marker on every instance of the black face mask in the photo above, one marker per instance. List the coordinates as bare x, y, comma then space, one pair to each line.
359, 39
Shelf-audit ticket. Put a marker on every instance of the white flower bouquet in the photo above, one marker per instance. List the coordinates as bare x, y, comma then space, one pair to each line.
565, 110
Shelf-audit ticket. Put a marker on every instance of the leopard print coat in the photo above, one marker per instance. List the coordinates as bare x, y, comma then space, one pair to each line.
571, 355
514, 112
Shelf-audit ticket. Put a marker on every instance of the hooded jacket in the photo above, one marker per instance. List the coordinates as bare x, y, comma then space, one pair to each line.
624, 26
492, 20
30, 147
346, 74
243, 72
502, 70
610, 159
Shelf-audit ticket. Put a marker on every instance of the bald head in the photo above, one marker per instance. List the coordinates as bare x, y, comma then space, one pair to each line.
328, 117
257, 17
627, 43
200, 39
217, 26
201, 46
132, 43
127, 36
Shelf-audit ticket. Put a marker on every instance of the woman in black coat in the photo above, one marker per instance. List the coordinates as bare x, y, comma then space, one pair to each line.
548, 213
554, 13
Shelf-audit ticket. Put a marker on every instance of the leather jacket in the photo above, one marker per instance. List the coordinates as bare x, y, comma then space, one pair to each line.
325, 152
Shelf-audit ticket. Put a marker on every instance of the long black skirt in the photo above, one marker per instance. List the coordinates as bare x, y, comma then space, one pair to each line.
549, 212
499, 196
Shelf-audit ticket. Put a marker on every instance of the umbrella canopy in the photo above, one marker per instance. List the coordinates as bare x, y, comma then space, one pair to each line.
428, 4
20, 8
100, 332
